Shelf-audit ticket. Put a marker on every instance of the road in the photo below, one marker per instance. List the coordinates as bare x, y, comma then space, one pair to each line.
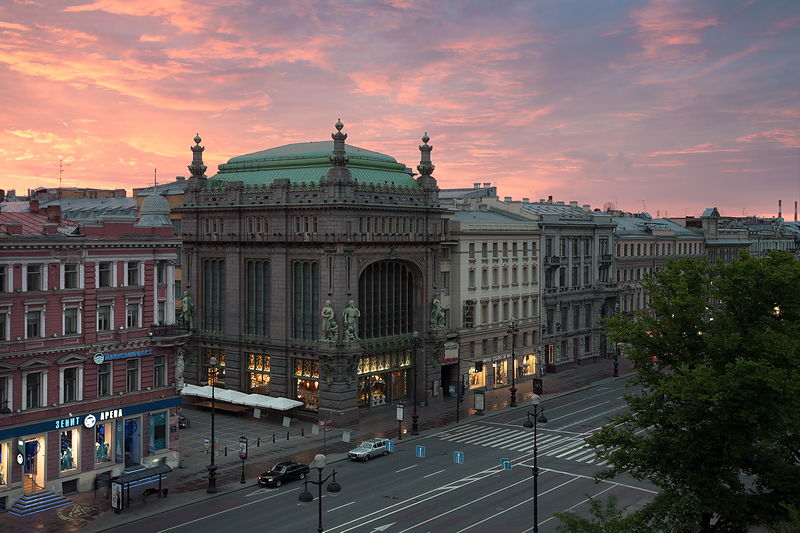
403, 492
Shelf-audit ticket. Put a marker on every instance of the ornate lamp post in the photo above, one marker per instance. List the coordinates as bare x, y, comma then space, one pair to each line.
513, 329
616, 360
212, 467
537, 416
416, 342
333, 487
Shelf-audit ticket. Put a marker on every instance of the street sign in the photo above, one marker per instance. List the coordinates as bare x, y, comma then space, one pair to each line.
458, 458
389, 446
480, 401
346, 436
420, 451
506, 464
400, 412
243, 448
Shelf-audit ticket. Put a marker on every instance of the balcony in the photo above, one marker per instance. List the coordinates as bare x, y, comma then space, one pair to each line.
605, 258
552, 260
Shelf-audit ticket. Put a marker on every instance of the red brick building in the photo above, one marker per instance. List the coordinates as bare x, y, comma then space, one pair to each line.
87, 348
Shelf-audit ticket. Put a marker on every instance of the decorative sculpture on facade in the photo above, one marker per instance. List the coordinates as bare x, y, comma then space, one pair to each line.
327, 370
180, 362
437, 314
187, 310
350, 316
330, 329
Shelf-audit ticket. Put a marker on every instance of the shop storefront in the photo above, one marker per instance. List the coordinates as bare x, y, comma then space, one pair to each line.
528, 365
258, 373
384, 379
477, 378
306, 383
4, 466
500, 371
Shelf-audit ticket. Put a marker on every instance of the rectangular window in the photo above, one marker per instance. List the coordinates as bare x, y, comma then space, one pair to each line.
257, 297
484, 250
70, 276
104, 380
161, 272
213, 294
588, 316
104, 275
494, 249
70, 321
472, 250
471, 279
5, 397
160, 371
161, 308
104, 317
70, 385
5, 326
133, 274
158, 431
34, 277
258, 367
4, 277
576, 317
33, 324
305, 298
132, 374
132, 315
33, 390
514, 249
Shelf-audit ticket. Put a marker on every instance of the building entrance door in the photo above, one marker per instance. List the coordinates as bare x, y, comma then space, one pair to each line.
33, 467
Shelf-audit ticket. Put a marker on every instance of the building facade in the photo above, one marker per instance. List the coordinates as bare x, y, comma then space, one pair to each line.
86, 380
314, 268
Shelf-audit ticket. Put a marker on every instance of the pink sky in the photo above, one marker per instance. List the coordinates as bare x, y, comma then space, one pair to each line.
665, 105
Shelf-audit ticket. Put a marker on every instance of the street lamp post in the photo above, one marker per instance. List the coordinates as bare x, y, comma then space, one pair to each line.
616, 360
513, 329
537, 416
212, 467
333, 487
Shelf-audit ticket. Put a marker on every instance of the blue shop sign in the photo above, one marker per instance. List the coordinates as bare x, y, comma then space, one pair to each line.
100, 358
68, 422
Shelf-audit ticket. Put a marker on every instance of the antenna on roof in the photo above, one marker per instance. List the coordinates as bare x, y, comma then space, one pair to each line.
155, 178
61, 166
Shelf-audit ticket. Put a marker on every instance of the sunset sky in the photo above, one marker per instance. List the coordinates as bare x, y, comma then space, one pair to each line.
667, 106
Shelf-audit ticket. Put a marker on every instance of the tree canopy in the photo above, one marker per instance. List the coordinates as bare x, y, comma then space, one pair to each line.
716, 424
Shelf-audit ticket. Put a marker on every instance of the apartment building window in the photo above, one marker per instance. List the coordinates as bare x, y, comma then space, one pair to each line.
494, 249
562, 245
305, 308
587, 344
133, 317
505, 311
5, 325
34, 390
587, 247
586, 278
562, 277
524, 248
71, 276
484, 278
471, 278
575, 280
625, 250
495, 277
34, 324
576, 317
213, 294
161, 308
575, 243
505, 276
4, 278
104, 275
604, 246
104, 317
485, 313
257, 297
588, 316
71, 321
33, 277
161, 272
495, 312
524, 274
514, 249
133, 274
514, 275
160, 371
484, 250
132, 374
505, 249
70, 384
5, 395
104, 380
472, 250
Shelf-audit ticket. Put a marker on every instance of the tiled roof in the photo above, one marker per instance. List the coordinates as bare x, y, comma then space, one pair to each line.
31, 224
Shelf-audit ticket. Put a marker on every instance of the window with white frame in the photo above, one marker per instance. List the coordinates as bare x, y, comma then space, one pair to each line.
105, 317
6, 394
5, 277
161, 272
34, 323
71, 320
71, 389
132, 374
71, 276
161, 310
133, 315
33, 278
34, 386
5, 324
105, 274
160, 371
104, 379
132, 273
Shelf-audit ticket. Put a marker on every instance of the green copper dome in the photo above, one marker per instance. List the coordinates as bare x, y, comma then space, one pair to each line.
309, 163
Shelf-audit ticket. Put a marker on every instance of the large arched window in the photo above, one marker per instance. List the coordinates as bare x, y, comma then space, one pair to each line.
386, 299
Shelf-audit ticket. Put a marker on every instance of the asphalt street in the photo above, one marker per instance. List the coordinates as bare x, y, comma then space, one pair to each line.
403, 492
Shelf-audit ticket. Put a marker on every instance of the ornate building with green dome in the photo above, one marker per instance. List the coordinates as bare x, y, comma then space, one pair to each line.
314, 271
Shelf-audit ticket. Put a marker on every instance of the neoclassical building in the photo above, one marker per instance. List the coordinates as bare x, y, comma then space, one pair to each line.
314, 271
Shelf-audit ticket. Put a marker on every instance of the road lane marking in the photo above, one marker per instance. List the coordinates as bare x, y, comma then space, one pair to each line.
227, 510
439, 472
574, 506
406, 468
590, 477
345, 505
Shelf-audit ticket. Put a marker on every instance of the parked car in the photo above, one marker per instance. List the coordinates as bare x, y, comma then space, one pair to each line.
283, 472
368, 449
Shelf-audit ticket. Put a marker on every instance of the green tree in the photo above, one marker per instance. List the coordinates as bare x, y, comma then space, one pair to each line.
716, 424
607, 518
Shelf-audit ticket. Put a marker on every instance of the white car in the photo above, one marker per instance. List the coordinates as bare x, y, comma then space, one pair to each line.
368, 449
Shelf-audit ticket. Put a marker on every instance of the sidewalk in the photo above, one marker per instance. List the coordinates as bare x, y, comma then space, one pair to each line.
92, 513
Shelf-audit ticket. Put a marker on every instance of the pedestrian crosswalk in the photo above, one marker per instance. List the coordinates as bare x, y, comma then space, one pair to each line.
550, 444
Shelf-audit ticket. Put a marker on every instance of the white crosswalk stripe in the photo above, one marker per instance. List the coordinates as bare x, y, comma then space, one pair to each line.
520, 440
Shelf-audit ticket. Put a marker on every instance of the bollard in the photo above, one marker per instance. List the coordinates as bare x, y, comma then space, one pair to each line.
302, 432
258, 442
287, 435
226, 451
273, 437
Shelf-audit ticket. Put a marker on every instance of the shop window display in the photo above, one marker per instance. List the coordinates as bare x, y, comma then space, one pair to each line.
158, 431
102, 443
383, 379
258, 367
3, 463
500, 373
528, 365
306, 372
476, 379
69, 443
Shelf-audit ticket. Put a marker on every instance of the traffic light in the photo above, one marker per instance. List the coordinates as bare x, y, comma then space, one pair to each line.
478, 366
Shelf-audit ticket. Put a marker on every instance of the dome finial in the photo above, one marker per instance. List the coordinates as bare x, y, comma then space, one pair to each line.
339, 125
197, 138
425, 138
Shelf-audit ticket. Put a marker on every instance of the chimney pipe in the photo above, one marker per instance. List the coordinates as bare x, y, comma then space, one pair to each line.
34, 207
795, 210
476, 185
486, 184
550, 199
779, 209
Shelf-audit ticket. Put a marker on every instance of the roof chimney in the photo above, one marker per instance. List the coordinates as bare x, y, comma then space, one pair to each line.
795, 210
476, 185
779, 209
506, 198
34, 207
14, 228
486, 184
54, 213
573, 203
527, 200
550, 199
